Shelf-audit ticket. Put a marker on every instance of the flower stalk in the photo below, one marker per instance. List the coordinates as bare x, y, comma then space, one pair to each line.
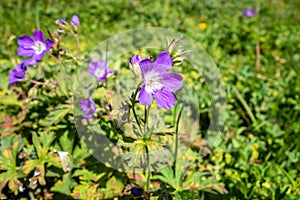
148, 171
176, 139
133, 107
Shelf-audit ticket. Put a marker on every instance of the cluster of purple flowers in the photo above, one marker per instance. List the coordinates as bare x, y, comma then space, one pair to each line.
64, 25
35, 48
158, 81
100, 72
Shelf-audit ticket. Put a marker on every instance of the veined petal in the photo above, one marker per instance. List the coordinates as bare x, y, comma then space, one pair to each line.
92, 67
164, 59
87, 106
172, 81
145, 98
25, 52
109, 71
106, 73
146, 65
92, 104
21, 66
49, 43
38, 57
164, 99
25, 42
38, 36
17, 74
30, 62
84, 105
102, 64
135, 59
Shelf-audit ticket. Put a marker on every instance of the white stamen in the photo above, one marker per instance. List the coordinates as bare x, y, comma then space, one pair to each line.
153, 81
38, 47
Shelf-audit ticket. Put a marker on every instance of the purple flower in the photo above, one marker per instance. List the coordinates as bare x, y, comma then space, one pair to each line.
61, 23
99, 70
35, 47
136, 191
88, 106
17, 74
134, 62
158, 82
135, 59
75, 20
249, 12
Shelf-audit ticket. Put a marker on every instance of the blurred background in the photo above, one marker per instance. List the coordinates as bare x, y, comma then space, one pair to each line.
258, 155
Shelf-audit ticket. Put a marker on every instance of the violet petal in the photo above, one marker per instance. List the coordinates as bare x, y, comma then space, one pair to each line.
145, 98
172, 81
165, 99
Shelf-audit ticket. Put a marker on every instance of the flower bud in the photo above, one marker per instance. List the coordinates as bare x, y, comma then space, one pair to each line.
176, 51
134, 63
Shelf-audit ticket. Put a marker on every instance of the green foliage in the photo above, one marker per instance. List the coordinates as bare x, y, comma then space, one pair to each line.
256, 157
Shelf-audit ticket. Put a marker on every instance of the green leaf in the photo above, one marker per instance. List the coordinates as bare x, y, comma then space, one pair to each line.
58, 115
37, 144
65, 185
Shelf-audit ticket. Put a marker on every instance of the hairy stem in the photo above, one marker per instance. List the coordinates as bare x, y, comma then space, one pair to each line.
149, 172
176, 139
133, 109
147, 111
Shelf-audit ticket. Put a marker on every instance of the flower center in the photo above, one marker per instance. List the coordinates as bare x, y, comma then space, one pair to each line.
38, 47
99, 72
153, 81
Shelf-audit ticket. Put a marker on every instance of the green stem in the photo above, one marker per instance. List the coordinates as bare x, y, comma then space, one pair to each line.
75, 34
145, 122
176, 139
146, 114
247, 108
149, 172
77, 45
133, 109
147, 111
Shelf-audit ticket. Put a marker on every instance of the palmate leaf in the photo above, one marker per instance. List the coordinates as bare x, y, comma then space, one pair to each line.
64, 186
89, 184
200, 181
42, 145
9, 100
11, 170
87, 190
167, 175
10, 177
59, 114
114, 186
86, 175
